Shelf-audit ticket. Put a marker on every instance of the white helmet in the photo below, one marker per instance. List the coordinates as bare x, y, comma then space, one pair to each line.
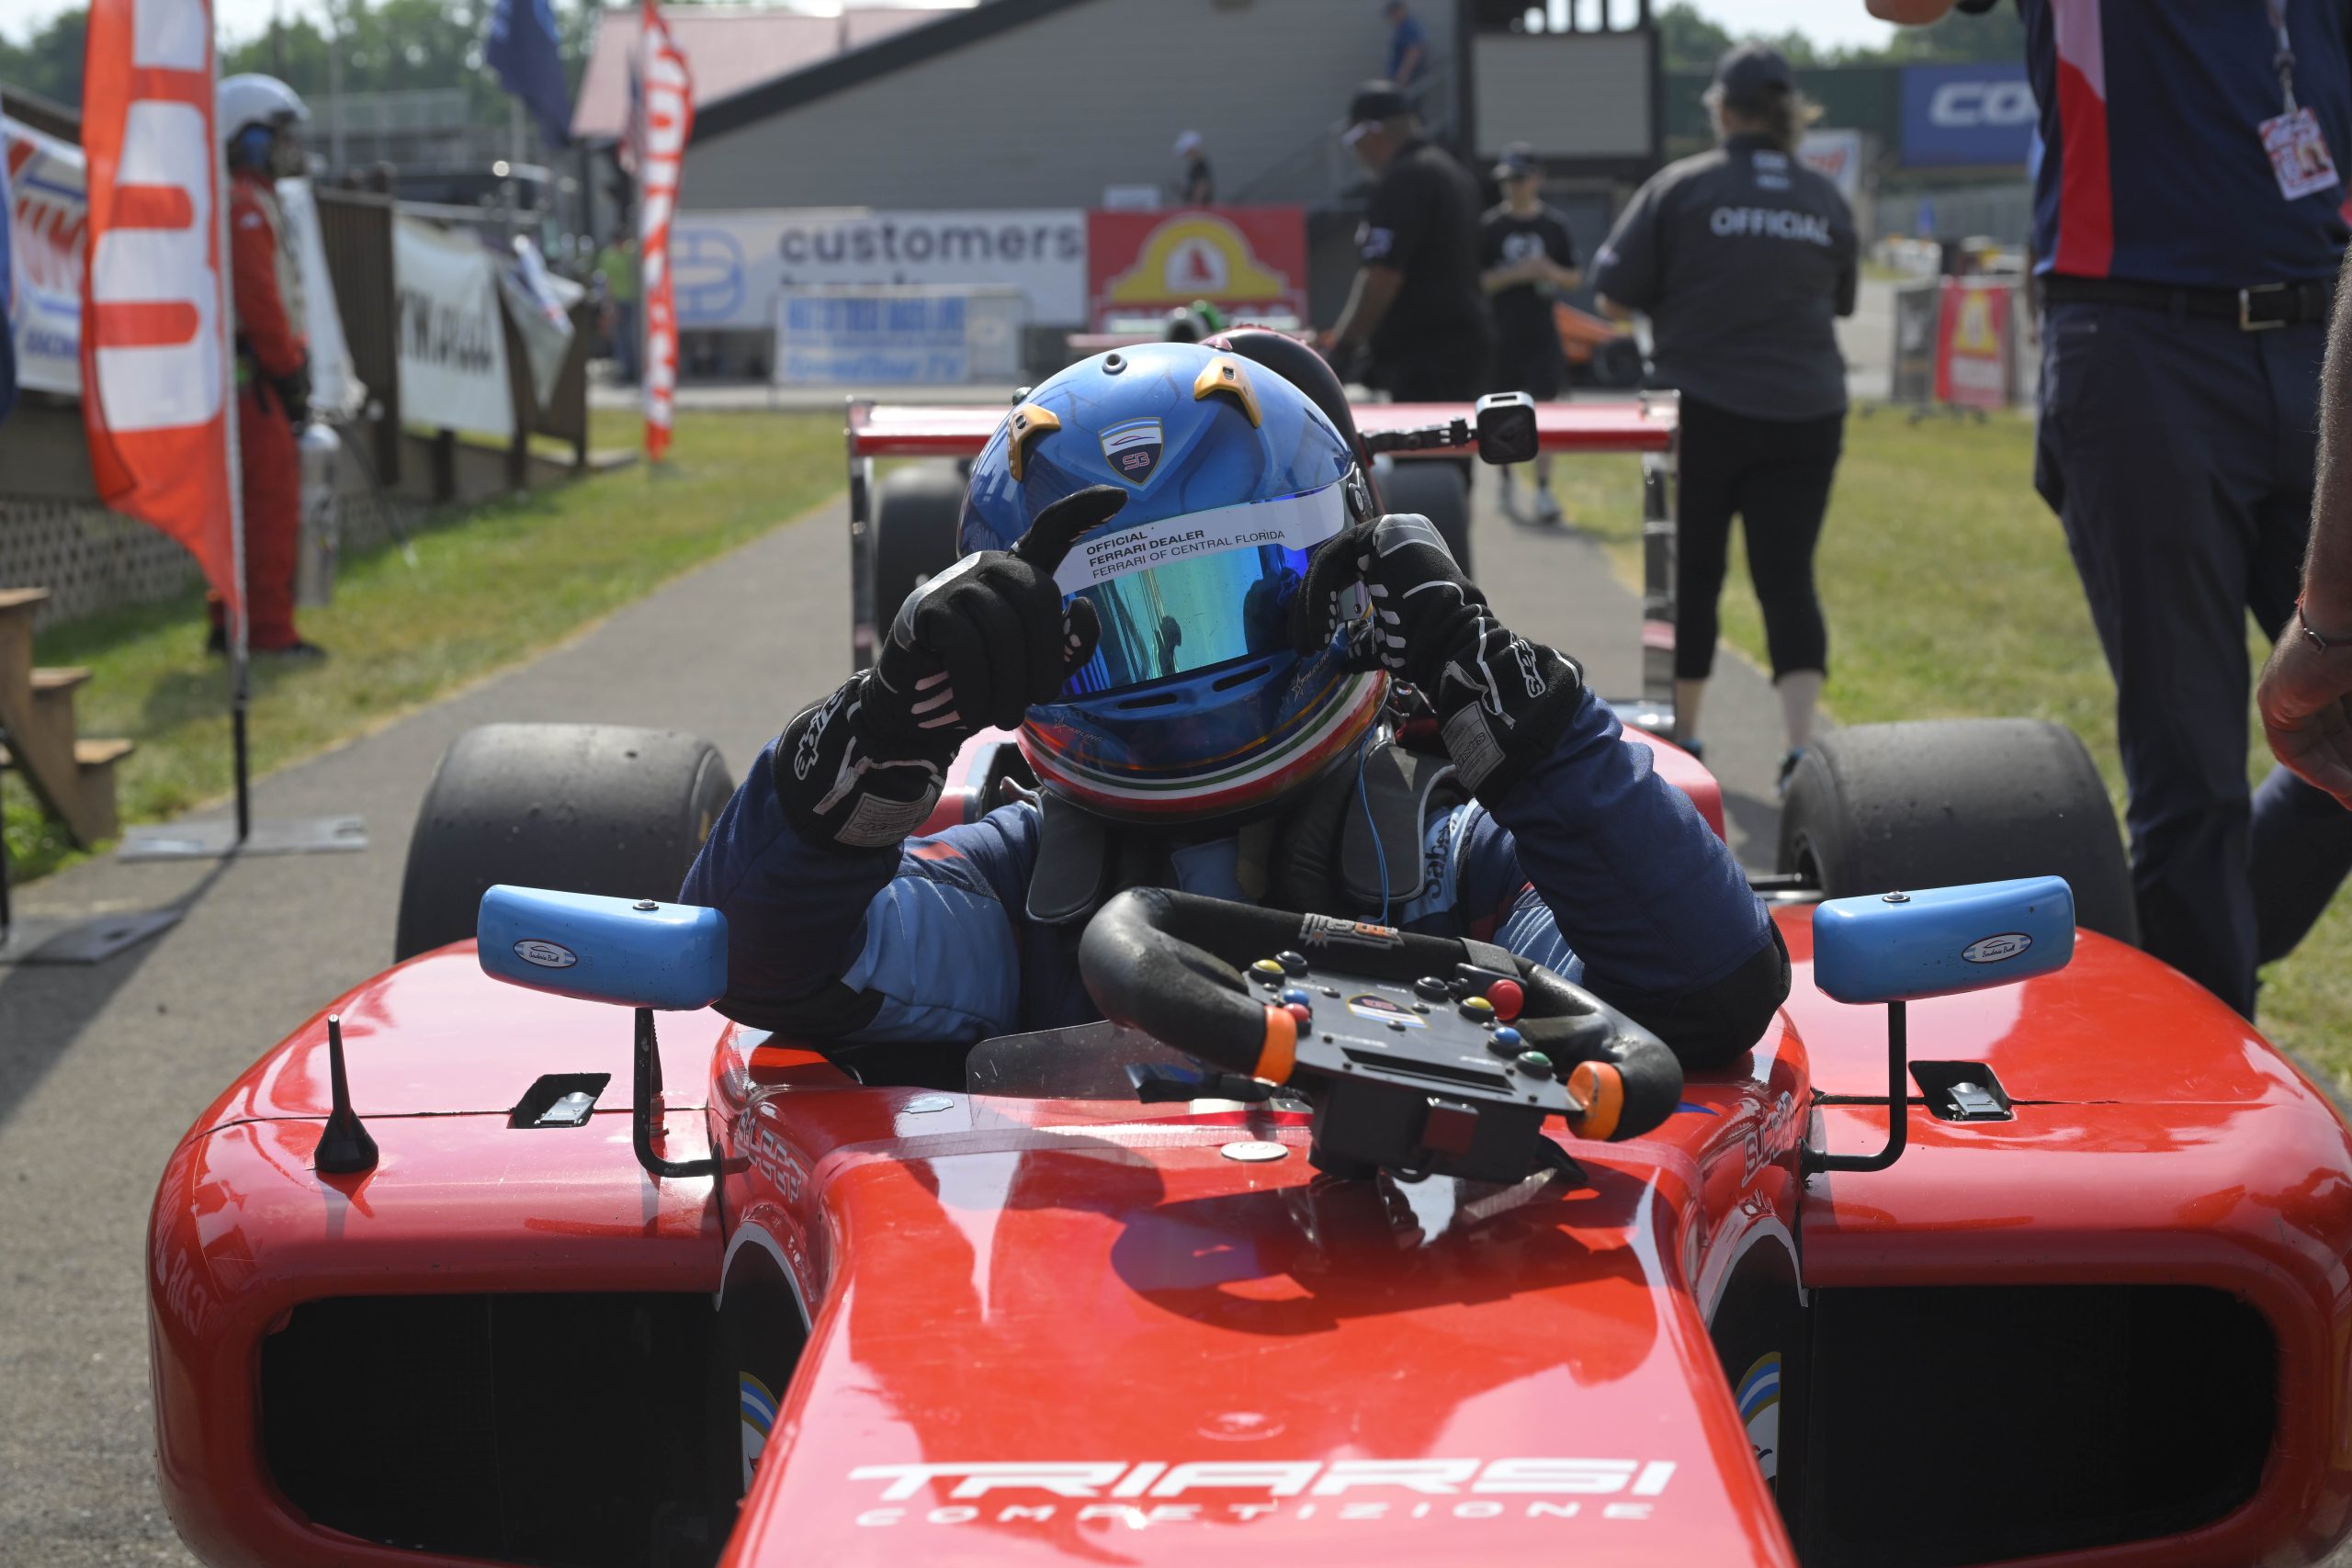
251, 98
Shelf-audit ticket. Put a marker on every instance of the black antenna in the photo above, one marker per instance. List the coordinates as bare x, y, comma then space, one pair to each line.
344, 1147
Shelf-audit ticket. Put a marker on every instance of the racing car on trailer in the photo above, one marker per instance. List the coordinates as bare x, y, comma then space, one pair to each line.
2005, 1243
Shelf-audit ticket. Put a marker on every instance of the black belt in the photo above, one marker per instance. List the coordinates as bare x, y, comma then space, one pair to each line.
2261, 309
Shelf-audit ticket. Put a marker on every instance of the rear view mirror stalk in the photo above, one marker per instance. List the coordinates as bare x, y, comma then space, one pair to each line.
647, 1085
1899, 1104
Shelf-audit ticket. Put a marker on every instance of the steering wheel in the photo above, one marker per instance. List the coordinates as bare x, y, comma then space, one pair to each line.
1418, 1053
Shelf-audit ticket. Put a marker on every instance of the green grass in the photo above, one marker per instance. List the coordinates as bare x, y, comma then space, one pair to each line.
491, 585
1950, 593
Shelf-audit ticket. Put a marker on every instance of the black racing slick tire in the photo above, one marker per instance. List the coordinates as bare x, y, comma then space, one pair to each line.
1937, 803
916, 512
604, 809
1435, 489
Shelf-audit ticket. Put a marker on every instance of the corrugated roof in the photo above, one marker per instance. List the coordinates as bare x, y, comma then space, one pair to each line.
889, 51
729, 49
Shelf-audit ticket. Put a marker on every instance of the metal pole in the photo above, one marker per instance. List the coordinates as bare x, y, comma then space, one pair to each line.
240, 619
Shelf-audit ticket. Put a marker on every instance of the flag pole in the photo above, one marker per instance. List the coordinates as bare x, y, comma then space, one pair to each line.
240, 623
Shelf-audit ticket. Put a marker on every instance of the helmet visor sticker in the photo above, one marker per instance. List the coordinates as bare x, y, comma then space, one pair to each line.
1182, 593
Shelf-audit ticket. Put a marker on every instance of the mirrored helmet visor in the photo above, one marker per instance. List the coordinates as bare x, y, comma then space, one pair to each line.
1179, 594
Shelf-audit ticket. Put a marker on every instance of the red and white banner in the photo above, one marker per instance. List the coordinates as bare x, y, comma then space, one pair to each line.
155, 307
1973, 369
49, 226
669, 121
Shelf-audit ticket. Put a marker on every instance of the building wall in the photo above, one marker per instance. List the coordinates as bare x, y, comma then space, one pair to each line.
1582, 95
1049, 113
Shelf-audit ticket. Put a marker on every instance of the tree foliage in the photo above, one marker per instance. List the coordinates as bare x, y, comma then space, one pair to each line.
388, 46
49, 59
1694, 42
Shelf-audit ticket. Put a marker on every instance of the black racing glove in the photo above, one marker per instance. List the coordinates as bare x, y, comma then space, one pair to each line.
971, 648
1501, 701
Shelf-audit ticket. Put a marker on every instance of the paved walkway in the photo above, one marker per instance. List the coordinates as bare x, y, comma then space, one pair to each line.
101, 1069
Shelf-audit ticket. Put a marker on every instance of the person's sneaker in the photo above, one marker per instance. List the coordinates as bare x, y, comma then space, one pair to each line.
1509, 499
1548, 510
1788, 771
296, 652
216, 642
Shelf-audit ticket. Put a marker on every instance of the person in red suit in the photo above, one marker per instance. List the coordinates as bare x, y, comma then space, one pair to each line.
261, 118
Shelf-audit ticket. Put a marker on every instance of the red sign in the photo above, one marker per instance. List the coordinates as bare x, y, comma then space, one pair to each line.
1240, 259
669, 122
155, 309
1972, 342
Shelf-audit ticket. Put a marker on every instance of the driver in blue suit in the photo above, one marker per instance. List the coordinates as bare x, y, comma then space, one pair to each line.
1229, 674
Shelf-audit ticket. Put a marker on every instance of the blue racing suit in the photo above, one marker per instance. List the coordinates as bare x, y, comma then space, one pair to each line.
1591, 864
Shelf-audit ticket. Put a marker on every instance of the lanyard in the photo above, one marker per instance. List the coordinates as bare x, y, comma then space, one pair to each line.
2285, 58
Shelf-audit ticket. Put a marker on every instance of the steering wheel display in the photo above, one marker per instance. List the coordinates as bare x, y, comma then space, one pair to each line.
1417, 1053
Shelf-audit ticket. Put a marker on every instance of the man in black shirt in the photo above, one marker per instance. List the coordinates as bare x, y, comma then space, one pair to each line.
1195, 186
1416, 302
1529, 261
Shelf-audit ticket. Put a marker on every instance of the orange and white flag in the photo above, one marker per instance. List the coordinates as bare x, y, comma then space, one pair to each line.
155, 361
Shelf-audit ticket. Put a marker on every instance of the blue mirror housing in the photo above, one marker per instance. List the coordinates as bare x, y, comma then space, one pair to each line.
637, 954
1939, 942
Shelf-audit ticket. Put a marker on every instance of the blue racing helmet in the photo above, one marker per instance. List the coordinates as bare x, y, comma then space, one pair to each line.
1195, 703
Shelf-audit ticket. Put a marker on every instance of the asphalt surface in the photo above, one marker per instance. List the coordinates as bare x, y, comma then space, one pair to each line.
102, 1068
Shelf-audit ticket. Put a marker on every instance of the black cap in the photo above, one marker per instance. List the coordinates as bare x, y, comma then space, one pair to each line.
1373, 102
1517, 160
1753, 70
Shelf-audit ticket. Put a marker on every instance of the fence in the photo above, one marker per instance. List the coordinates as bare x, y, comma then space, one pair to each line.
55, 533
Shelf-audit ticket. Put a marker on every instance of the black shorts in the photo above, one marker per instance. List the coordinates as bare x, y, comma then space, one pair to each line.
1535, 366
1451, 370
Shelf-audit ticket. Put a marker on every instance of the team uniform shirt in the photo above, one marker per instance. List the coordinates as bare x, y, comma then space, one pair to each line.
1405, 35
1198, 188
2154, 166
1743, 258
1422, 220
1524, 331
1592, 864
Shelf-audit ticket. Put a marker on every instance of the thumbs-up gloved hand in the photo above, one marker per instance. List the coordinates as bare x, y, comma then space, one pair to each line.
971, 648
1501, 701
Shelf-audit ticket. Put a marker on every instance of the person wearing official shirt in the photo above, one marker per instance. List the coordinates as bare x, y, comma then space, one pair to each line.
1528, 260
1743, 258
1416, 304
2188, 228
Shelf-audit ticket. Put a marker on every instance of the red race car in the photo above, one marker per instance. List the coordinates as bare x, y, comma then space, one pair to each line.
2005, 1244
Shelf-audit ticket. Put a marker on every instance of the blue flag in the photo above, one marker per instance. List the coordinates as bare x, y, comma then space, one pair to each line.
521, 50
8, 290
